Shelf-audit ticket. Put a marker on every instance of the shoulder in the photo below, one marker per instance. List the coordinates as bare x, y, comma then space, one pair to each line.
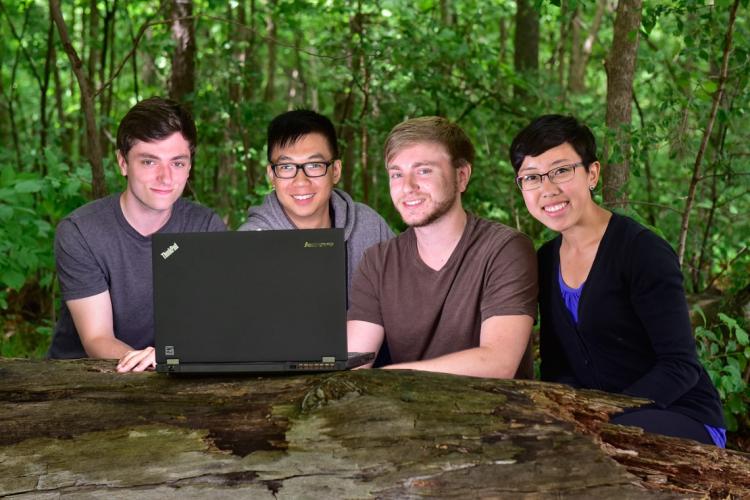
369, 217
634, 239
495, 234
93, 211
97, 215
196, 217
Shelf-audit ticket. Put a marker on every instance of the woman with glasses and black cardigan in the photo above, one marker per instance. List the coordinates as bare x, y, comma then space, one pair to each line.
612, 305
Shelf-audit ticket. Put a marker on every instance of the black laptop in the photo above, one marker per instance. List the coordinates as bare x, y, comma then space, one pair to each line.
255, 301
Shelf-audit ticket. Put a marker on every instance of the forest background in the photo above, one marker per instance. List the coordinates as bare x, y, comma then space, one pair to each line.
663, 84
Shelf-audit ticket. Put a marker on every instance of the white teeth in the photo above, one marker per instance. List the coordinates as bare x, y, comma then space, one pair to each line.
302, 196
412, 203
555, 208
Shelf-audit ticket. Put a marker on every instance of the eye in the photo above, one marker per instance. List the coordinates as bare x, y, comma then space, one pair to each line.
531, 178
314, 167
394, 174
148, 163
286, 167
179, 164
561, 171
424, 171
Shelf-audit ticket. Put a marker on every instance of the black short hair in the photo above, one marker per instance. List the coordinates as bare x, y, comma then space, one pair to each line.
289, 127
154, 119
549, 131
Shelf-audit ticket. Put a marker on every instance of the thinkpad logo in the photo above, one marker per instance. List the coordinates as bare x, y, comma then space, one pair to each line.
324, 244
169, 251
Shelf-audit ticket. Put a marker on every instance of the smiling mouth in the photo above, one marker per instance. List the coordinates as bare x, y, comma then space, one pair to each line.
302, 197
555, 208
413, 203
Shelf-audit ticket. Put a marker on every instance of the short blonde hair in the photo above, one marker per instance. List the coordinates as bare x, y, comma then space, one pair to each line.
431, 129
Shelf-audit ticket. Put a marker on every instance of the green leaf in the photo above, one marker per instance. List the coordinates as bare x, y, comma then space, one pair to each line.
29, 186
13, 279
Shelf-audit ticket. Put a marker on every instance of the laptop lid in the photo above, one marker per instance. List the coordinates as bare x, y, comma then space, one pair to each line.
262, 300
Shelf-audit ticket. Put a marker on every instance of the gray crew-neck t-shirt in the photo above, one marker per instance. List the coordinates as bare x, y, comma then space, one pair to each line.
96, 250
428, 313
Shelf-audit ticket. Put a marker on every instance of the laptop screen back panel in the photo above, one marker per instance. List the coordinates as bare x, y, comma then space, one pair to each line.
245, 297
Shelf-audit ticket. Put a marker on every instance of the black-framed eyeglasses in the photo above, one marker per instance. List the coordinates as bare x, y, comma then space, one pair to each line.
311, 169
556, 176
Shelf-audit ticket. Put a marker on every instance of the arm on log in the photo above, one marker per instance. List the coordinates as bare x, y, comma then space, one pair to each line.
77, 427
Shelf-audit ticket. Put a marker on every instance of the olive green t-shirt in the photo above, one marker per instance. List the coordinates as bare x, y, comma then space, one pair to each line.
428, 313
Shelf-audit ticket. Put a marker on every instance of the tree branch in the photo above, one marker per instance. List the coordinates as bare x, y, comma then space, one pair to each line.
707, 133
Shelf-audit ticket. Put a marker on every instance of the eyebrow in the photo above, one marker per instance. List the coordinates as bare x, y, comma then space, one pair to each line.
414, 165
314, 156
564, 161
150, 156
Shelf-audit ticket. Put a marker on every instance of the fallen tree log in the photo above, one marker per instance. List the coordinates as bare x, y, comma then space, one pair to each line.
76, 428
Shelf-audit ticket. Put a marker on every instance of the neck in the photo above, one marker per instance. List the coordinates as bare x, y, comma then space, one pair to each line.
317, 221
141, 218
436, 241
589, 230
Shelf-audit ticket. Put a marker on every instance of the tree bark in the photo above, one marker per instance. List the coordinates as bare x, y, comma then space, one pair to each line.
270, 92
93, 149
182, 80
525, 43
620, 73
707, 132
581, 53
77, 428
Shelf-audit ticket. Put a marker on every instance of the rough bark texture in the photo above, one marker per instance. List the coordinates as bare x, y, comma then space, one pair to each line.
76, 428
182, 81
620, 73
525, 42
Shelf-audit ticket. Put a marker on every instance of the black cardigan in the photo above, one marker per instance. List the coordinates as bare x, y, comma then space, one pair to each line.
633, 334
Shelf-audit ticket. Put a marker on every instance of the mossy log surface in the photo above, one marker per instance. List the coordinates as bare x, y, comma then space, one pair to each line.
78, 429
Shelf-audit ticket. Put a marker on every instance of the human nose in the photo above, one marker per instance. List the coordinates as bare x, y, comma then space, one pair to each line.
164, 174
410, 183
300, 177
547, 186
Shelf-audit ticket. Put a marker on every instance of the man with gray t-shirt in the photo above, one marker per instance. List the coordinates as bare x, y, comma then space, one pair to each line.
453, 293
103, 249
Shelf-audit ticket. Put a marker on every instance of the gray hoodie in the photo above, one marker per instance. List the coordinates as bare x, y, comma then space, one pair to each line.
363, 227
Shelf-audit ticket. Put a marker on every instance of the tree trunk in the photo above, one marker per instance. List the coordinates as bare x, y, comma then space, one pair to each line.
93, 149
620, 72
357, 434
525, 43
270, 92
182, 80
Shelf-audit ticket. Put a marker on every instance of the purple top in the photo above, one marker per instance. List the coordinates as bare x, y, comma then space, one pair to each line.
571, 297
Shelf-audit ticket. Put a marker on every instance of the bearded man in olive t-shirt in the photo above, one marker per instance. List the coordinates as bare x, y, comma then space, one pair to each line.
453, 293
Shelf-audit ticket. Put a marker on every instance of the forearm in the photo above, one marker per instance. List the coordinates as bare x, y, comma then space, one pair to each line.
105, 347
480, 361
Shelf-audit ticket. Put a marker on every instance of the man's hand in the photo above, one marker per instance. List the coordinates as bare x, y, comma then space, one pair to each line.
137, 361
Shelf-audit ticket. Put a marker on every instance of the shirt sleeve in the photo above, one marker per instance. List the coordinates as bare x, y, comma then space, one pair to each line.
78, 271
658, 299
511, 286
364, 303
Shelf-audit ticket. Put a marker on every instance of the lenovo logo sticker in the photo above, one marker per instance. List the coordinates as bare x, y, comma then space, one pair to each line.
169, 251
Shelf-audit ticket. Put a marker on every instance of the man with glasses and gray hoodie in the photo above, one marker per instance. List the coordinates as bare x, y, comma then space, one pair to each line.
303, 167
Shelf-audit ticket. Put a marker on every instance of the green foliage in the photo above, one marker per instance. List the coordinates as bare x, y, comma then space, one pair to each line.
724, 350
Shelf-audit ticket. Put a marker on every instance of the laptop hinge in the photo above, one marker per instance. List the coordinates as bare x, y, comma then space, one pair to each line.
173, 361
